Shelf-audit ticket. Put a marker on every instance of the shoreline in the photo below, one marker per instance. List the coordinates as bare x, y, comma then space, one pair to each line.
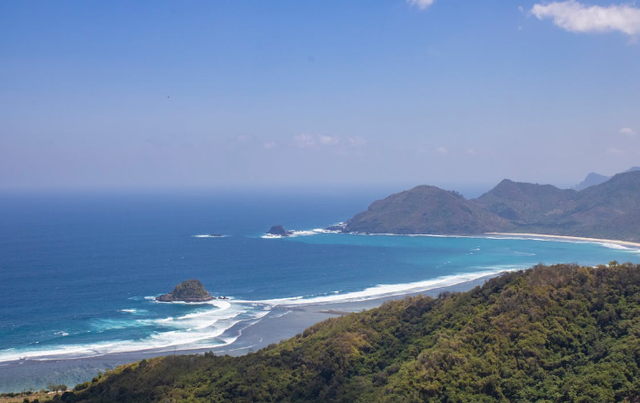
521, 235
561, 238
282, 323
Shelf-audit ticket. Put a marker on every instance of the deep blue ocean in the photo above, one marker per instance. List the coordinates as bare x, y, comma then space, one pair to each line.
78, 272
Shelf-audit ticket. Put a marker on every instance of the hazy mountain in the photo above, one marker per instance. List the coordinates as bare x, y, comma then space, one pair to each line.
526, 203
591, 180
603, 210
426, 210
595, 179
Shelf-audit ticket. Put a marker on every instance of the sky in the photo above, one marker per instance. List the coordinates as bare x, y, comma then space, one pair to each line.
319, 93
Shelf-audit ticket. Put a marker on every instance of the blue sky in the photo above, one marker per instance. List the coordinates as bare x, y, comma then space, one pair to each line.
209, 94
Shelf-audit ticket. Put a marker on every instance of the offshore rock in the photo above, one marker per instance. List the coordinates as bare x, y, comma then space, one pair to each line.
187, 291
278, 230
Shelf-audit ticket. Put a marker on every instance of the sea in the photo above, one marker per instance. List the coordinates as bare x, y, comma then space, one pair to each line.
79, 272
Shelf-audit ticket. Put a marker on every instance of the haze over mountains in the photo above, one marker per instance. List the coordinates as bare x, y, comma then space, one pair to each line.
607, 210
595, 179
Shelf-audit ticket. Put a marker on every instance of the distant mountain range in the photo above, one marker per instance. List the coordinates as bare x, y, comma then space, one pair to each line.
610, 209
595, 179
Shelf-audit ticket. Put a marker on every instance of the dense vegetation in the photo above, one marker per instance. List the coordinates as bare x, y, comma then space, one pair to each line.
427, 210
607, 210
549, 334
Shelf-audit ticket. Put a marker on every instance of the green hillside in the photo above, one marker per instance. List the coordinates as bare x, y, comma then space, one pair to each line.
607, 210
426, 210
527, 203
550, 334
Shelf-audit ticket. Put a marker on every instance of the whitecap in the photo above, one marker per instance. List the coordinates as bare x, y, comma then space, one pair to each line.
271, 236
210, 302
102, 325
390, 290
616, 246
298, 233
518, 253
190, 332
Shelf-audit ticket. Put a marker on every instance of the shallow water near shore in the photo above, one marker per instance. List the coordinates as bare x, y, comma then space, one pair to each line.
79, 273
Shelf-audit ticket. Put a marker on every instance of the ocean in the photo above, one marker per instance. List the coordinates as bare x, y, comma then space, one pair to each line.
79, 272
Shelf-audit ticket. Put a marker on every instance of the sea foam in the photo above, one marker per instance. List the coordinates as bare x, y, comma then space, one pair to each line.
390, 290
617, 246
198, 330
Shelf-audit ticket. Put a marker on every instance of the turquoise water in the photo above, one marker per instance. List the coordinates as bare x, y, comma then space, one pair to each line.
79, 273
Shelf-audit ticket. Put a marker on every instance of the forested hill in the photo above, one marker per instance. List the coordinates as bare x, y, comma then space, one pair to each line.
554, 334
608, 210
427, 210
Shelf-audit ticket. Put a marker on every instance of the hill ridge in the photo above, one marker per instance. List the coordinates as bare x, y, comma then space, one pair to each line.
601, 211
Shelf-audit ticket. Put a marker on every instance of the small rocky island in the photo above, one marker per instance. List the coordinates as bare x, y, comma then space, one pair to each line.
187, 291
279, 230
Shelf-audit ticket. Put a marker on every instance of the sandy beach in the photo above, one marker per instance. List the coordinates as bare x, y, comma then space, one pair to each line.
282, 323
564, 238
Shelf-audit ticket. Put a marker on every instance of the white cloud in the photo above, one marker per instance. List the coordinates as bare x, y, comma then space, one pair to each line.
357, 141
243, 138
442, 151
628, 132
576, 17
328, 140
615, 151
269, 144
241, 141
336, 145
421, 4
304, 140
315, 141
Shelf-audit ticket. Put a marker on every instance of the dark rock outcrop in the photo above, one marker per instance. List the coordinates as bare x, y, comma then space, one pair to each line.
278, 230
187, 291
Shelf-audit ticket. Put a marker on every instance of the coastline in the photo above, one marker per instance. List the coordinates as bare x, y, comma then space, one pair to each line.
284, 320
563, 238
282, 323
